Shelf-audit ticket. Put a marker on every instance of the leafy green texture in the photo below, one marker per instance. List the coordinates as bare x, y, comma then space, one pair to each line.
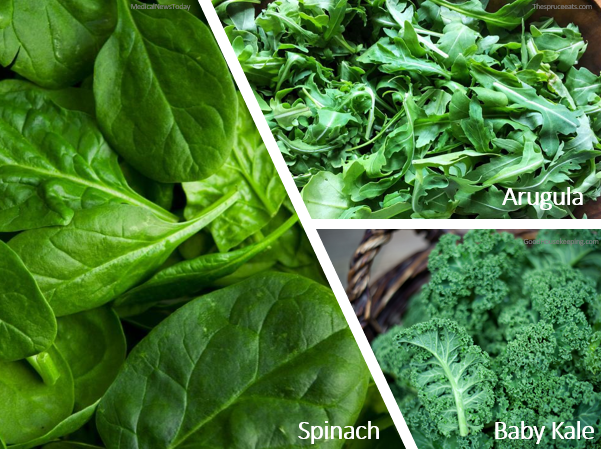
54, 43
29, 406
285, 357
451, 375
191, 276
65, 427
103, 252
94, 346
27, 324
54, 161
169, 124
422, 109
248, 169
533, 314
132, 181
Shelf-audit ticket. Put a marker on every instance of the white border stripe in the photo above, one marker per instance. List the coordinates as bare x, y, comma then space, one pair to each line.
462, 223
307, 222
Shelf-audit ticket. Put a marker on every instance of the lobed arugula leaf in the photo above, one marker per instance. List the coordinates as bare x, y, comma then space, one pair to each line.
403, 95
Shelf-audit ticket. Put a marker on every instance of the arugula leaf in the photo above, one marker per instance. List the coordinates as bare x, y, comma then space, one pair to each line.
390, 105
169, 125
508, 17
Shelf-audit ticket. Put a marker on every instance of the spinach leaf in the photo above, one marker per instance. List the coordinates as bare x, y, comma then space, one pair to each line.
286, 356
54, 43
53, 162
170, 125
191, 276
29, 405
27, 323
250, 170
71, 98
103, 252
93, 344
65, 427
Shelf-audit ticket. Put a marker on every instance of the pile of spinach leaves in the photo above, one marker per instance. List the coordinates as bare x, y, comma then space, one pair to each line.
422, 108
156, 288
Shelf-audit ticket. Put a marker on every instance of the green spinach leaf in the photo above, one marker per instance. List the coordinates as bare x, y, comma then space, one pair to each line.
65, 427
30, 406
54, 43
27, 323
286, 356
53, 162
93, 344
169, 124
250, 170
103, 252
191, 276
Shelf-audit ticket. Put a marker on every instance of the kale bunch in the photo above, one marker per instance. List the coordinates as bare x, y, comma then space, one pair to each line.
501, 332
422, 108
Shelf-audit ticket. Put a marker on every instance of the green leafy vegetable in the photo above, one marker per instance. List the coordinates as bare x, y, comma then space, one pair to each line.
118, 245
169, 124
452, 376
53, 162
27, 324
248, 169
290, 357
23, 391
500, 333
143, 223
189, 277
93, 345
54, 43
65, 427
423, 109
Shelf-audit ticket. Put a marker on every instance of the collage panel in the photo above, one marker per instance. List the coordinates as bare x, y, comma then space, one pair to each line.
429, 108
488, 338
157, 289
176, 267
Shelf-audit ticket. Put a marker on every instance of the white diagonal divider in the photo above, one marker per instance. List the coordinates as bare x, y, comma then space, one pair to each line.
307, 222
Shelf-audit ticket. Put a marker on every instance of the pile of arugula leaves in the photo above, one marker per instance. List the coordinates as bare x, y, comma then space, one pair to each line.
156, 287
422, 109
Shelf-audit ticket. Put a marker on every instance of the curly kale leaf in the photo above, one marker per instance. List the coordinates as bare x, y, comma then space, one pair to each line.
472, 277
583, 252
559, 296
451, 374
534, 386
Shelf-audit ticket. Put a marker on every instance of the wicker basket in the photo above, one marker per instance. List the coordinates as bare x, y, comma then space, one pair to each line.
381, 304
